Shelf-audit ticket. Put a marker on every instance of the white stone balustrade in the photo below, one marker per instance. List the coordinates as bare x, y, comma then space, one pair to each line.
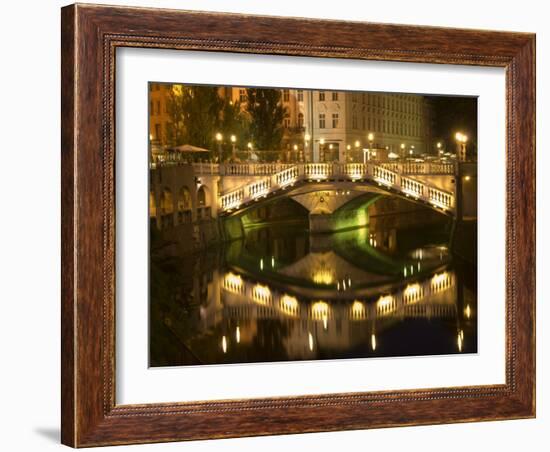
440, 198
232, 200
412, 187
258, 189
384, 176
287, 175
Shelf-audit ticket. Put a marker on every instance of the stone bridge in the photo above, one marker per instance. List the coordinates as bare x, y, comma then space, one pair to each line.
183, 193
430, 184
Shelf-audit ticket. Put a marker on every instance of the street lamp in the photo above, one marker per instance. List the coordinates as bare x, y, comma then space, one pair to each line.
219, 138
321, 150
370, 137
439, 148
402, 150
249, 146
233, 141
461, 140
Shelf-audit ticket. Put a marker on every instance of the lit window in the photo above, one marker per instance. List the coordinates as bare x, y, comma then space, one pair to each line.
286, 95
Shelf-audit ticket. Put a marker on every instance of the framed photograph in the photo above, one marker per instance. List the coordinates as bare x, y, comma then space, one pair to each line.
281, 225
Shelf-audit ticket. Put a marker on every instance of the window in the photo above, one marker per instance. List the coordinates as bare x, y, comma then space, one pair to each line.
300, 95
158, 107
151, 108
157, 131
286, 123
335, 120
321, 120
286, 95
321, 95
300, 120
354, 121
242, 95
334, 95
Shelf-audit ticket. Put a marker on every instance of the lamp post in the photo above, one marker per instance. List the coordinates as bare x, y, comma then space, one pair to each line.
219, 138
370, 137
402, 150
322, 150
439, 148
233, 141
461, 140
249, 146
348, 148
295, 147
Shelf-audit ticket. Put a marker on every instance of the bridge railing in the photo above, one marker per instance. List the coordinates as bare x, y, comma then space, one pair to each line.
287, 176
426, 168
290, 174
232, 200
441, 198
253, 169
385, 176
206, 168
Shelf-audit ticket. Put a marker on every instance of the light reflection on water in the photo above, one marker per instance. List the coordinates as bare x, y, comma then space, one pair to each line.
280, 294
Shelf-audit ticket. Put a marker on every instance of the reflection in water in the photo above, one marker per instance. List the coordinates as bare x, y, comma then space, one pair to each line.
389, 289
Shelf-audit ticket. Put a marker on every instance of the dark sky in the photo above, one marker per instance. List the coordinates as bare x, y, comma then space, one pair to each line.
454, 114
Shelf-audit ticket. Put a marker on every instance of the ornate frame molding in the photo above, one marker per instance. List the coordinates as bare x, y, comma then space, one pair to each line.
90, 37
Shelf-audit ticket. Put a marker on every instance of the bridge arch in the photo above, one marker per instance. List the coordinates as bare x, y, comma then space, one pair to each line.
203, 196
204, 202
167, 207
185, 205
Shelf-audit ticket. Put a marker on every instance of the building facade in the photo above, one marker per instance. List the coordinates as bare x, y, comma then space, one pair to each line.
331, 125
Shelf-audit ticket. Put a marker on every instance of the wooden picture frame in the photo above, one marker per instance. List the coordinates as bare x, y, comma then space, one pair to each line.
90, 36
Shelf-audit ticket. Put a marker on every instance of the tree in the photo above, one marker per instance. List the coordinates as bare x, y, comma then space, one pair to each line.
196, 116
175, 131
234, 122
266, 117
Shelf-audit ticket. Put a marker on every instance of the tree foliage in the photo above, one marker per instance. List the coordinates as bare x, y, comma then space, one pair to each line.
197, 113
196, 116
266, 117
234, 122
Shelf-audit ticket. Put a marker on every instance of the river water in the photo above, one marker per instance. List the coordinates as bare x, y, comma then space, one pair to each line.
391, 288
